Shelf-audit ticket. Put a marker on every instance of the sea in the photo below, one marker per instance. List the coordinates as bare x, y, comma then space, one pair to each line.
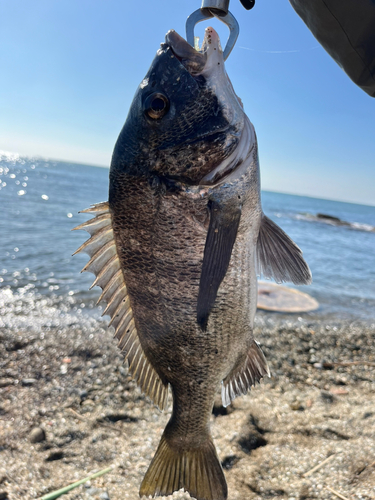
40, 281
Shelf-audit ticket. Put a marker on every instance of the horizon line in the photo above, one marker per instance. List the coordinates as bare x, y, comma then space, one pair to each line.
320, 198
44, 158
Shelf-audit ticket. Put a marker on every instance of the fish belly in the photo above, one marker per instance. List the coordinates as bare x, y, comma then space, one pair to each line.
160, 238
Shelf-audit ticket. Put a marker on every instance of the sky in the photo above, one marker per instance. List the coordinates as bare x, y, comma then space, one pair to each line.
69, 70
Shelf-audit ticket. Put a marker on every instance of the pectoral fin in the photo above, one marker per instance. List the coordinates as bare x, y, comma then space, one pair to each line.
279, 257
221, 236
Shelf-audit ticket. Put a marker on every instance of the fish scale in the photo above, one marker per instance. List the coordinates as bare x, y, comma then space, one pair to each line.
176, 251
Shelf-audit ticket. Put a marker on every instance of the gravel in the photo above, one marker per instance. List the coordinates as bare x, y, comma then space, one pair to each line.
68, 409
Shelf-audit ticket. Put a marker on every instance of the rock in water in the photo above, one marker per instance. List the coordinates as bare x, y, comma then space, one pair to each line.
273, 297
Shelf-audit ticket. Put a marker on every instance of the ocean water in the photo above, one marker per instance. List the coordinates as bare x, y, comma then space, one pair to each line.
41, 284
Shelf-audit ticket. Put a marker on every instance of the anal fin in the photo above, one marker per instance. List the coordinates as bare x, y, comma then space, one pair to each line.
242, 377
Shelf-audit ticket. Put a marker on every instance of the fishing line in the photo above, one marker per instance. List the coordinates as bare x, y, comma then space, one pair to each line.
280, 51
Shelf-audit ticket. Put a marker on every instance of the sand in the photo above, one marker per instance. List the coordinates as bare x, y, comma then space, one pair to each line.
70, 392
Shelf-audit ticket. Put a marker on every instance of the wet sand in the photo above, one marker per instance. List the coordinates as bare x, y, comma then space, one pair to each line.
69, 393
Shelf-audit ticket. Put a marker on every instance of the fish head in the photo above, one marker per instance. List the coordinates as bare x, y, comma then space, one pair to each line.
185, 118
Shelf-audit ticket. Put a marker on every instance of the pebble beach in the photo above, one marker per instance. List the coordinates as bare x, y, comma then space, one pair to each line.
68, 408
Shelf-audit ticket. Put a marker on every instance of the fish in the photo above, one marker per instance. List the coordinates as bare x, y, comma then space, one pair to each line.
177, 250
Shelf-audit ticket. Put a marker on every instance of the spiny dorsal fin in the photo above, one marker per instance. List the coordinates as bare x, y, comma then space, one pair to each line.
105, 264
279, 257
240, 380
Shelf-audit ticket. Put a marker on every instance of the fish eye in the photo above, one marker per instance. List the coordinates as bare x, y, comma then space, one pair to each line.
156, 105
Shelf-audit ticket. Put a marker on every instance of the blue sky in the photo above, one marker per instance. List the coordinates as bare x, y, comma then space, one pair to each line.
69, 70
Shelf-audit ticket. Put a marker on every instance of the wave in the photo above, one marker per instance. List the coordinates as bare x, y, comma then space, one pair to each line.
335, 221
27, 309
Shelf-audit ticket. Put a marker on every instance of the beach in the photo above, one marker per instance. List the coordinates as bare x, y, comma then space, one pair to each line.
183, 195
70, 392
68, 407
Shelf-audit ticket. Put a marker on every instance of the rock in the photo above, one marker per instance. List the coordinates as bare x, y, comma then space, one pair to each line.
296, 406
37, 435
251, 442
219, 409
88, 402
44, 472
318, 366
92, 491
229, 462
64, 369
55, 455
28, 381
4, 382
368, 414
104, 496
304, 492
18, 343
274, 297
3, 495
123, 371
338, 391
222, 410
327, 397
83, 394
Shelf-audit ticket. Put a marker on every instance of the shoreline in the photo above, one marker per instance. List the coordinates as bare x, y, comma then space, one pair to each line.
319, 404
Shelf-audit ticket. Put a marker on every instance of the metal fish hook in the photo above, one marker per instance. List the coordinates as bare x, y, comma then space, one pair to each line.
218, 9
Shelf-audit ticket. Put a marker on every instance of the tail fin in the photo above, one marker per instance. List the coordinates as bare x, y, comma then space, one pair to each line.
197, 470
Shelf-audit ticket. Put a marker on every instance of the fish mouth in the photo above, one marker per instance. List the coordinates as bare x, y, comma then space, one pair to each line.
209, 62
193, 60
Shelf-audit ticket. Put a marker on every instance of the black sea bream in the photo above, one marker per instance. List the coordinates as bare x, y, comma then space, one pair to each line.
177, 249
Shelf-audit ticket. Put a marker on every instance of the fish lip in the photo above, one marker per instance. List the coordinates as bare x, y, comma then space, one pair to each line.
192, 60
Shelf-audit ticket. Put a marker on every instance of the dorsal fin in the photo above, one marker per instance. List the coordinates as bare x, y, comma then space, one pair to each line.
105, 264
278, 257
